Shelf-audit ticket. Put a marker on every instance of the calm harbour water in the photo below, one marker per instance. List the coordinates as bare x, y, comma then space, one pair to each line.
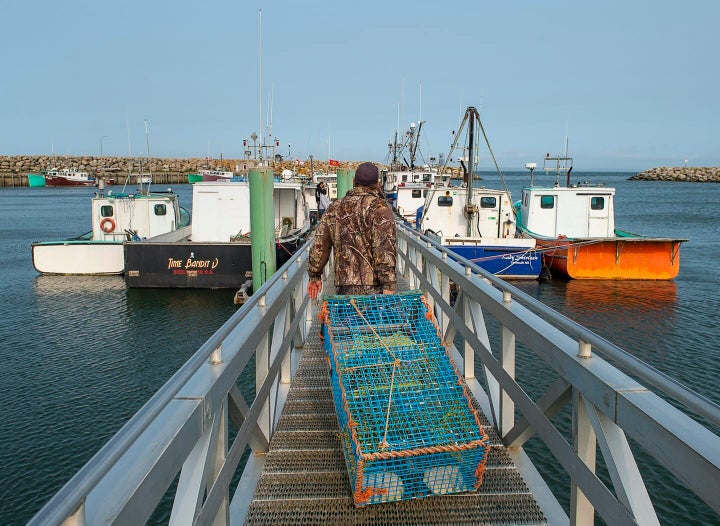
81, 355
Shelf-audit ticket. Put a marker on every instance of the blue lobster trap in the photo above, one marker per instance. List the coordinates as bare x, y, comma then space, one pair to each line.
408, 427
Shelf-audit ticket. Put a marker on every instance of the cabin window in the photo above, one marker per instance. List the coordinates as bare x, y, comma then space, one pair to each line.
488, 202
404, 178
597, 203
547, 201
427, 178
445, 200
106, 211
160, 210
416, 194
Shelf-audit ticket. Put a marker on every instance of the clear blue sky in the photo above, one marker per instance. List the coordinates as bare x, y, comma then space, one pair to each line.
635, 83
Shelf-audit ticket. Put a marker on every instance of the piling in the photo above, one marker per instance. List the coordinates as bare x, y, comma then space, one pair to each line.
262, 225
345, 178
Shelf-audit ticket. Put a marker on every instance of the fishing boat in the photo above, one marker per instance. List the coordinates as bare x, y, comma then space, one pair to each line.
115, 218
575, 227
67, 177
215, 175
215, 251
406, 184
478, 223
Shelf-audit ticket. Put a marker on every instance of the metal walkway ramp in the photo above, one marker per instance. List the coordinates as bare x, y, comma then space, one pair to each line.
305, 481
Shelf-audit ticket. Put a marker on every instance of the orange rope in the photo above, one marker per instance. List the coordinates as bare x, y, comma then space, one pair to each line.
450, 448
365, 495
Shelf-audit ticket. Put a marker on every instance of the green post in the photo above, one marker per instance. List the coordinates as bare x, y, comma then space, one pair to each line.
262, 225
345, 178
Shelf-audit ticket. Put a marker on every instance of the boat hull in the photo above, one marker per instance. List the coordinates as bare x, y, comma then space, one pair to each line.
87, 258
207, 178
613, 258
507, 262
195, 265
194, 178
56, 180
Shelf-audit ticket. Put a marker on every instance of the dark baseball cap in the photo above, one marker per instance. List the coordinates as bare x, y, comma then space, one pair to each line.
366, 175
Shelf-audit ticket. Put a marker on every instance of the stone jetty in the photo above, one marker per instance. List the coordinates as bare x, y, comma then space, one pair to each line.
14, 168
693, 174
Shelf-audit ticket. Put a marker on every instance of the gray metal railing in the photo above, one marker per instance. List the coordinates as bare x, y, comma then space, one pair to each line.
607, 404
183, 429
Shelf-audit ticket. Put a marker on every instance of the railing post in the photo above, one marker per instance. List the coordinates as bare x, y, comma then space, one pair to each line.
507, 361
419, 263
262, 361
582, 512
402, 251
469, 354
219, 454
409, 272
298, 297
445, 293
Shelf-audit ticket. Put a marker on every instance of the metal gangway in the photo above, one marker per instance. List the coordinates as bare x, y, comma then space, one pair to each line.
205, 455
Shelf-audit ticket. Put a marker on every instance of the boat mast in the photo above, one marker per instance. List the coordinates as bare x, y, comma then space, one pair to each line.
470, 177
260, 123
147, 146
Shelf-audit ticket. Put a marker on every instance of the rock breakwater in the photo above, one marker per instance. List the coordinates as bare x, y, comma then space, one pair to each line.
693, 174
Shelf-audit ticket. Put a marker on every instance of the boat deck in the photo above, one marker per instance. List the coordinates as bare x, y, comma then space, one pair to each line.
305, 481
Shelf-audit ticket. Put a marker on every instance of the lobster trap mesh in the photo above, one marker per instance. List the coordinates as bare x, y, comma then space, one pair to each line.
407, 424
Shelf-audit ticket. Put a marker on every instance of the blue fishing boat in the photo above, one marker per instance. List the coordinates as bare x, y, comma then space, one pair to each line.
478, 223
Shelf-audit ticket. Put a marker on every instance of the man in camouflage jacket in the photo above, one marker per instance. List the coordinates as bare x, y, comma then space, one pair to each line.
360, 228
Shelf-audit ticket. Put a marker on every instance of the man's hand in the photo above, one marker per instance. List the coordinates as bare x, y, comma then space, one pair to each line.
314, 288
388, 291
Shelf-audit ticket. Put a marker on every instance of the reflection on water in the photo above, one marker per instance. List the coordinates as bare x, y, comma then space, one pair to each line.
636, 315
83, 285
640, 297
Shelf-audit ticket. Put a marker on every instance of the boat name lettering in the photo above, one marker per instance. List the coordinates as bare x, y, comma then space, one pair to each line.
193, 263
520, 258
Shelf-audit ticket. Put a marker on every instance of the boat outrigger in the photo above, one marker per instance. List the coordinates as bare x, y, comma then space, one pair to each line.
575, 227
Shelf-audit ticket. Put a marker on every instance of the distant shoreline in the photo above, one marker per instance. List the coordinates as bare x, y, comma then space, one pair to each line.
691, 174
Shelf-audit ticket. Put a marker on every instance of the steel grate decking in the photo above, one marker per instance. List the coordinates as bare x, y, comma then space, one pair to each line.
305, 481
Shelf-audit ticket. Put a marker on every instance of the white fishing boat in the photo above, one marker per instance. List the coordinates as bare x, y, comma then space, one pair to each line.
575, 226
115, 218
478, 223
215, 251
406, 184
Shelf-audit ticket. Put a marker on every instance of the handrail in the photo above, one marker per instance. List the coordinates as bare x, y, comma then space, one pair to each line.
607, 404
694, 401
64, 503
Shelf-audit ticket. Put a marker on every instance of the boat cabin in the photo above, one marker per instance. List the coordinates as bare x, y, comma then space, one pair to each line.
448, 214
575, 211
221, 210
411, 197
118, 217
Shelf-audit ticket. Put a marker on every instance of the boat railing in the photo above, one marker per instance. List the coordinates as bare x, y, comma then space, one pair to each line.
192, 435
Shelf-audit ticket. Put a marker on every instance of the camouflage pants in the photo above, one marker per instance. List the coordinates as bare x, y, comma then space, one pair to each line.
365, 290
